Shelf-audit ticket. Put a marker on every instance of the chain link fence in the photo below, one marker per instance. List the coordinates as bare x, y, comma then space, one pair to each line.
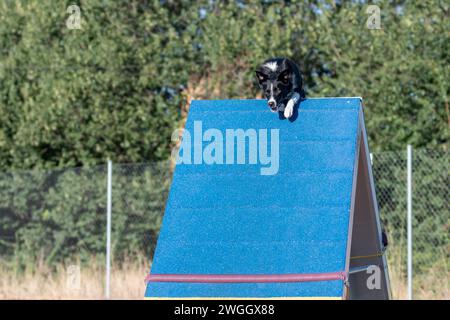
53, 227
53, 230
430, 220
51, 223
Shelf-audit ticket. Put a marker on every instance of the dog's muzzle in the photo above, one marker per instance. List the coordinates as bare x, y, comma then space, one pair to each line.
272, 105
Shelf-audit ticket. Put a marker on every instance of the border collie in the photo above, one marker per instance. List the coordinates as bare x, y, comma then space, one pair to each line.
281, 81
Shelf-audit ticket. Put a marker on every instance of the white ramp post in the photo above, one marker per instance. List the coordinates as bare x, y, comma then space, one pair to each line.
409, 222
108, 230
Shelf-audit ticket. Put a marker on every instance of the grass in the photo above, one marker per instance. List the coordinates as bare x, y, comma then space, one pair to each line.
127, 281
430, 284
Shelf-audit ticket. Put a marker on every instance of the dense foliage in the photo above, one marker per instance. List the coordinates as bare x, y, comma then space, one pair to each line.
60, 215
116, 89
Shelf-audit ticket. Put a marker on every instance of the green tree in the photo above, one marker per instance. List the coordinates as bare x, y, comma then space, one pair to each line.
77, 97
116, 87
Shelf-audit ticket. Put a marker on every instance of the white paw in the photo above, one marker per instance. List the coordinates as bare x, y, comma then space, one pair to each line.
289, 110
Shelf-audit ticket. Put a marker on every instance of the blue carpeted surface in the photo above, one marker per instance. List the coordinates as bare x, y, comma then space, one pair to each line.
231, 219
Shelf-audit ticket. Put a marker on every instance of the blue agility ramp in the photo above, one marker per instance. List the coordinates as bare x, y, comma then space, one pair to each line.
263, 207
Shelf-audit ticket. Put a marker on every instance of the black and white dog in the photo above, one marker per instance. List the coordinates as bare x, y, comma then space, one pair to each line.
281, 81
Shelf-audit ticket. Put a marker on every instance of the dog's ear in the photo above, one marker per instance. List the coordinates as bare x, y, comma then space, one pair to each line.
260, 76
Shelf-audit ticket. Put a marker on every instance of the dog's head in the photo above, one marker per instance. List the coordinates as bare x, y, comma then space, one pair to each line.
276, 78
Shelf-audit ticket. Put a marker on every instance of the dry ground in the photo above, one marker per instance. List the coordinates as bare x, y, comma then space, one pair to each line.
127, 282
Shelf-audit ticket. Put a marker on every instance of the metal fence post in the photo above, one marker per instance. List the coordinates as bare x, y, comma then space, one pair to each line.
108, 230
409, 222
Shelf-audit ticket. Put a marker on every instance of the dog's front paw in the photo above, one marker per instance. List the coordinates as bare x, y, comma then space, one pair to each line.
289, 110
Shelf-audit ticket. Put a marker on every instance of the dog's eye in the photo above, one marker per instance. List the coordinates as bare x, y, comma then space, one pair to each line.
284, 78
261, 77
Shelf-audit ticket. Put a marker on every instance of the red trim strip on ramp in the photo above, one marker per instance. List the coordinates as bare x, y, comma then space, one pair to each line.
246, 278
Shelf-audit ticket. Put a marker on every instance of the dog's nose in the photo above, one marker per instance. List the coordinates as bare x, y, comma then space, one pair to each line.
271, 104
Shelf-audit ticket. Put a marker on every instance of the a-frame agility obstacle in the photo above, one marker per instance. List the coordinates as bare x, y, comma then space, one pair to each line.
307, 227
